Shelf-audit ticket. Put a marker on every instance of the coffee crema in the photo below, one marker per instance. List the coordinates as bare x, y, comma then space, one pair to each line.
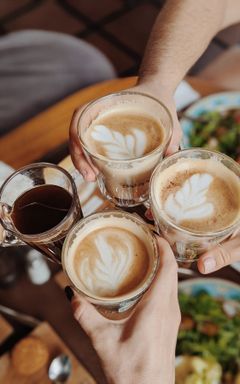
123, 134
109, 258
199, 194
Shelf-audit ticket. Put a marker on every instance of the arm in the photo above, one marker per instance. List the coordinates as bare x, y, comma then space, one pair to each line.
141, 348
180, 35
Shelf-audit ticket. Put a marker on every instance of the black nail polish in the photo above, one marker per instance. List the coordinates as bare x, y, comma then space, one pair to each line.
69, 292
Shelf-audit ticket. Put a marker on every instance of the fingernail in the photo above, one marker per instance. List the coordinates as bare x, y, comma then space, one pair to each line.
209, 265
69, 292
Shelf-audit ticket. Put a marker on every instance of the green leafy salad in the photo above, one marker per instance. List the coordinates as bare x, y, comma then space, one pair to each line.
219, 131
210, 329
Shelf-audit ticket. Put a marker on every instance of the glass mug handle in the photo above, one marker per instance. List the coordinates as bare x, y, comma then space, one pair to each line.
7, 238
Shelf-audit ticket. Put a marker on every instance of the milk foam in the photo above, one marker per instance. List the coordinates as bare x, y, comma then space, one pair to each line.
198, 194
110, 257
119, 146
111, 267
190, 201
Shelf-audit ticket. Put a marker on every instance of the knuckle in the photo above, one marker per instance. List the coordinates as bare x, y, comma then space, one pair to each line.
224, 256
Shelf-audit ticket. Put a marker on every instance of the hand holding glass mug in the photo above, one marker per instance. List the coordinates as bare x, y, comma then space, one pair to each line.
195, 200
125, 358
123, 136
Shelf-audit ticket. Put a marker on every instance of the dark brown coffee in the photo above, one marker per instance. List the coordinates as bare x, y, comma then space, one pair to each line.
42, 209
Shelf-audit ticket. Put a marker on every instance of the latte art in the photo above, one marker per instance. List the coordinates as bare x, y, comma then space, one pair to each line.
112, 263
123, 135
118, 145
198, 194
190, 201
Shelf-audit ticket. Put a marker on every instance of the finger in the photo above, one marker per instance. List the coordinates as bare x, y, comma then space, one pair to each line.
220, 256
86, 314
148, 214
77, 155
165, 280
176, 137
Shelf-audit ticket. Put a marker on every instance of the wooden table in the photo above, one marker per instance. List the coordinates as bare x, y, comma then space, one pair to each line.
28, 143
48, 130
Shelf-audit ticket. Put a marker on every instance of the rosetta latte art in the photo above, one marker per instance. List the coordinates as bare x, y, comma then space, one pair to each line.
119, 146
190, 201
111, 265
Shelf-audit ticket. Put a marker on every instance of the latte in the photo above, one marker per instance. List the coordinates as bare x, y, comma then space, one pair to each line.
123, 134
201, 195
111, 256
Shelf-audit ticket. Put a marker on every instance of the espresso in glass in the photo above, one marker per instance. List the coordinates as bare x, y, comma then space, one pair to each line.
39, 205
111, 257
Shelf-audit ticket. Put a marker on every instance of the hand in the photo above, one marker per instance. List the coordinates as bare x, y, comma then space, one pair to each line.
141, 348
79, 160
221, 255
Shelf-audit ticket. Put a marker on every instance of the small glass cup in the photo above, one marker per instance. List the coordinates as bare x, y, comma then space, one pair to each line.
124, 302
126, 182
187, 245
33, 175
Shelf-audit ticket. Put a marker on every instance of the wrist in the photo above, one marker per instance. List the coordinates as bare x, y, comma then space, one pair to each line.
155, 87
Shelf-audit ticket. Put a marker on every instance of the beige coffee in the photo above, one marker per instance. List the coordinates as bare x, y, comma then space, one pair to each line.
123, 133
109, 258
200, 195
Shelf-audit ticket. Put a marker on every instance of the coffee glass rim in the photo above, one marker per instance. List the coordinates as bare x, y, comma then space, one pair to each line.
125, 297
167, 218
32, 166
93, 102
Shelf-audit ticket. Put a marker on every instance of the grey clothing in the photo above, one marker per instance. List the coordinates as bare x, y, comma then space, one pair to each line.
39, 68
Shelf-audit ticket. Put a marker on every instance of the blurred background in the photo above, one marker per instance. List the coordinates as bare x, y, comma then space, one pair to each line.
119, 28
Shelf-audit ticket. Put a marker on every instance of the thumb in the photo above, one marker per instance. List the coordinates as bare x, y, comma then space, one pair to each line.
86, 314
220, 256
166, 276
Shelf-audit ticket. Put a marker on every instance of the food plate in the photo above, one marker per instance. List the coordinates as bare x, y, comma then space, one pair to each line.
220, 102
208, 347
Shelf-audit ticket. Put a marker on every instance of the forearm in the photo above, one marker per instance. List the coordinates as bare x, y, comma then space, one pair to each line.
180, 35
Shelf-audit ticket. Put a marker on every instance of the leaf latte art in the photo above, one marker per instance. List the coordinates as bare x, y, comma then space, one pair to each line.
119, 146
111, 261
190, 201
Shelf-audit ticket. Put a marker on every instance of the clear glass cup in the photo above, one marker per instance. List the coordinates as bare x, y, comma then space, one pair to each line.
126, 182
49, 242
187, 245
100, 220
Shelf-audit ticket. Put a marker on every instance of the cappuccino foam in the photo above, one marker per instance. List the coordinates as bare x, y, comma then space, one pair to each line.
199, 194
123, 133
109, 258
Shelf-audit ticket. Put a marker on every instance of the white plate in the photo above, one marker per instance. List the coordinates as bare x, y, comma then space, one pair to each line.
218, 101
218, 288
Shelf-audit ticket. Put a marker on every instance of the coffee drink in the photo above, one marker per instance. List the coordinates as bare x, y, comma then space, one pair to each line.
39, 205
124, 136
201, 195
111, 256
40, 209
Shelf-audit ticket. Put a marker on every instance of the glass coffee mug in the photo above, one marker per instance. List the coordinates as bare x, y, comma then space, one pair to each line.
122, 179
202, 209
111, 258
39, 204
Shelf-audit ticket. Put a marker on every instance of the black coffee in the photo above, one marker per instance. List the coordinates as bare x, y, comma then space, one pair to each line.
39, 210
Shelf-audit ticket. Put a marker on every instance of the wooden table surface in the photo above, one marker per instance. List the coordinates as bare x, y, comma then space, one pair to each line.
48, 130
28, 143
